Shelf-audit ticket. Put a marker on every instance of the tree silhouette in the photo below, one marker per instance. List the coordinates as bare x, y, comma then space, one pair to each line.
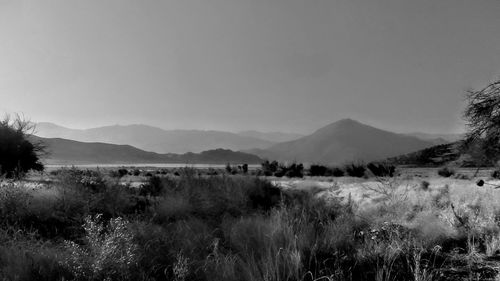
18, 153
483, 120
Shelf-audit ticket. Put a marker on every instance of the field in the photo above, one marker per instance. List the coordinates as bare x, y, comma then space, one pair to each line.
185, 224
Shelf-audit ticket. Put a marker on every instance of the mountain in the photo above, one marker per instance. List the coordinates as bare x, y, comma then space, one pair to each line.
155, 139
68, 152
271, 136
437, 138
344, 141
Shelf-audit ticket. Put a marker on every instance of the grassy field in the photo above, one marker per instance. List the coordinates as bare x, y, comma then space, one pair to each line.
91, 225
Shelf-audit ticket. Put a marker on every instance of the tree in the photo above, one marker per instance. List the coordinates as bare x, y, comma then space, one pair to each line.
482, 115
18, 152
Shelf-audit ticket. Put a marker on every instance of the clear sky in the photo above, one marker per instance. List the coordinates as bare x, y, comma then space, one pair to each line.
269, 65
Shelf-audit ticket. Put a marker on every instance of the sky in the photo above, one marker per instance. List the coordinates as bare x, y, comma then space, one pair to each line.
233, 65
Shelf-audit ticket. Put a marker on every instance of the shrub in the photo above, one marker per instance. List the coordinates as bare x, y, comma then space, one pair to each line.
153, 187
18, 154
495, 174
269, 168
122, 172
446, 172
109, 252
355, 170
317, 170
171, 207
382, 169
295, 170
228, 168
337, 172
25, 259
424, 185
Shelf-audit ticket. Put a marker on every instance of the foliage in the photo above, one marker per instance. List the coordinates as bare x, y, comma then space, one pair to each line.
446, 172
224, 227
355, 170
382, 169
482, 115
293, 170
109, 251
316, 170
18, 153
337, 172
269, 168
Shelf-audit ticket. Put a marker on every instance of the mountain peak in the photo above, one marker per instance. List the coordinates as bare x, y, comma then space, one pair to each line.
348, 122
343, 141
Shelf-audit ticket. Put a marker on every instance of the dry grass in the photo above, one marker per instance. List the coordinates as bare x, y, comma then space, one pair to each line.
192, 227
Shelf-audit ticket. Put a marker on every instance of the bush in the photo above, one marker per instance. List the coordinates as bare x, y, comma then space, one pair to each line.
18, 154
269, 168
317, 170
337, 172
424, 185
295, 170
355, 170
26, 259
495, 174
153, 187
382, 169
108, 254
446, 172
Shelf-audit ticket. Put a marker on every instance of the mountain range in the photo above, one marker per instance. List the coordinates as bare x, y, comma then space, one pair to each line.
343, 141
275, 137
69, 152
155, 139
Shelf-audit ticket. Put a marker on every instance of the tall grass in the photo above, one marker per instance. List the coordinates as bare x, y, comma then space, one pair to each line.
87, 226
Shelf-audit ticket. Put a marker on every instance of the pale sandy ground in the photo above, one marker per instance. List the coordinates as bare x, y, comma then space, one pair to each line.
367, 193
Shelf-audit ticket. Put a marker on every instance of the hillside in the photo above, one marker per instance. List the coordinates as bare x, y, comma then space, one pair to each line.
344, 141
155, 139
454, 154
67, 152
437, 139
430, 157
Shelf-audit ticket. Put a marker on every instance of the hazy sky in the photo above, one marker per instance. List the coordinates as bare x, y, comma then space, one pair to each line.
270, 65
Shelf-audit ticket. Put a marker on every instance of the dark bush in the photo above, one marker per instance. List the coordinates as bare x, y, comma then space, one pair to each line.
337, 172
294, 170
495, 174
269, 168
317, 170
382, 169
122, 172
18, 153
153, 187
446, 172
355, 170
424, 185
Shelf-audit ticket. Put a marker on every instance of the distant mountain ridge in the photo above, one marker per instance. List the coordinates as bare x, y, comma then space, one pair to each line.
346, 140
343, 141
437, 138
271, 136
155, 139
69, 152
